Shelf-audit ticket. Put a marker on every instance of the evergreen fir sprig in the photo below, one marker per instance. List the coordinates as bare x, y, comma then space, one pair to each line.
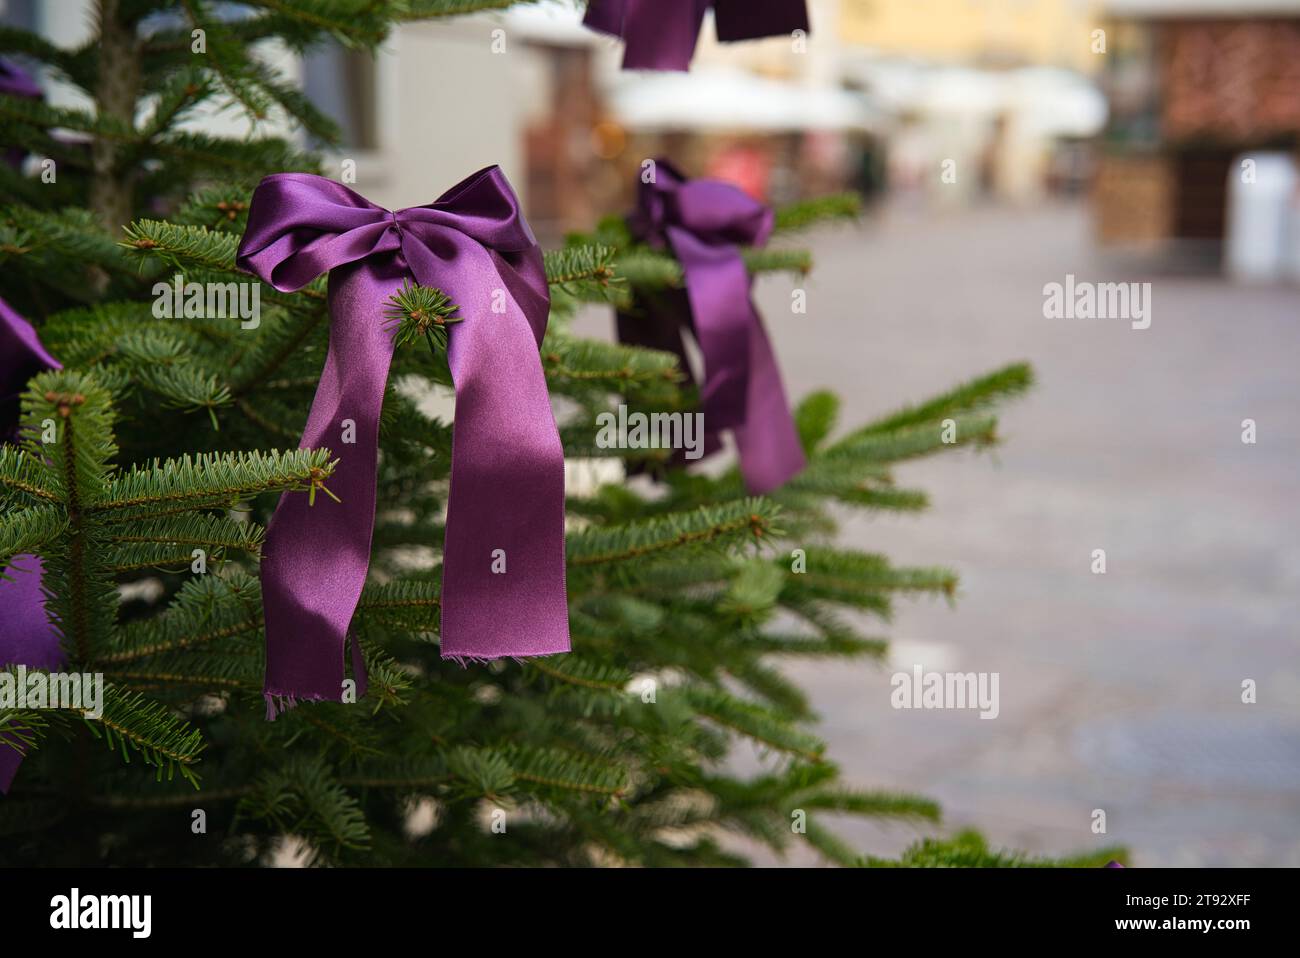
206, 611
747, 521
246, 159
912, 442
182, 246
49, 238
583, 672
178, 97
70, 64
818, 210
642, 267
858, 802
968, 849
24, 479
42, 115
301, 796
21, 729
350, 22
211, 480
851, 578
547, 770
216, 534
431, 9
977, 395
585, 272
227, 59
576, 366
765, 726
421, 313
133, 725
181, 386
651, 269
409, 605
217, 207
28, 530
73, 411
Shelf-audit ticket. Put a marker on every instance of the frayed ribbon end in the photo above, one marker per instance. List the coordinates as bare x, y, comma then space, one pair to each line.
465, 661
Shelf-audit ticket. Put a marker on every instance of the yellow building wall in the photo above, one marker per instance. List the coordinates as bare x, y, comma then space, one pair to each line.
1037, 32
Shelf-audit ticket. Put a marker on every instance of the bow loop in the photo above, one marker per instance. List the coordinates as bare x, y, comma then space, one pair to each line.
301, 225
483, 207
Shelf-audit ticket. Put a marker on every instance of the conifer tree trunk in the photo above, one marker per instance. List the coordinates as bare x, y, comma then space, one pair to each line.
116, 91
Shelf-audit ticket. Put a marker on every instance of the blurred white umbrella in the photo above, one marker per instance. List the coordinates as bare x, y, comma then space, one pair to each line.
723, 99
1051, 102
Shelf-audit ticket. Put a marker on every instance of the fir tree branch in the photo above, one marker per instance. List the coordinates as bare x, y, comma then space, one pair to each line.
806, 213
210, 479
974, 396
749, 520
130, 724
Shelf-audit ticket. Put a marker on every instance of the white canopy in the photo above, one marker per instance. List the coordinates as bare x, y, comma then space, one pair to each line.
725, 99
1194, 8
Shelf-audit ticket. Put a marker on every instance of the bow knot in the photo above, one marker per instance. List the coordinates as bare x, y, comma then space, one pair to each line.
301, 225
714, 212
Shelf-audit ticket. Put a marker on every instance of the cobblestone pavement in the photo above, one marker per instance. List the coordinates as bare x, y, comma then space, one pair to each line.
1119, 691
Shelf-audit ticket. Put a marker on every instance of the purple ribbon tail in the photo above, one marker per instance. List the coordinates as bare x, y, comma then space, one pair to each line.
506, 502
503, 588
767, 441
656, 35
26, 635
317, 553
742, 387
658, 323
662, 34
26, 638
752, 19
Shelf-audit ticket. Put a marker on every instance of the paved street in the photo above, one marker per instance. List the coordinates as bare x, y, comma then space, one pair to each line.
1118, 691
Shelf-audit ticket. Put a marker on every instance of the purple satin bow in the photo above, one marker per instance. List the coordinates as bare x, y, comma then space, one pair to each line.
26, 635
661, 34
15, 81
703, 222
507, 467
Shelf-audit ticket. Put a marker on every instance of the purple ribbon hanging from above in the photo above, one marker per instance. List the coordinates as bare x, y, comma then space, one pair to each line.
704, 222
661, 34
26, 635
507, 466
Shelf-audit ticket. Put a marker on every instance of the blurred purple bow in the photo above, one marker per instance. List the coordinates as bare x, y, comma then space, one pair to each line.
15, 81
661, 34
704, 222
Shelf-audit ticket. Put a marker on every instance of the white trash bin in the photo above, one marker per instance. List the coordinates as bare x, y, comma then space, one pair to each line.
1261, 190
